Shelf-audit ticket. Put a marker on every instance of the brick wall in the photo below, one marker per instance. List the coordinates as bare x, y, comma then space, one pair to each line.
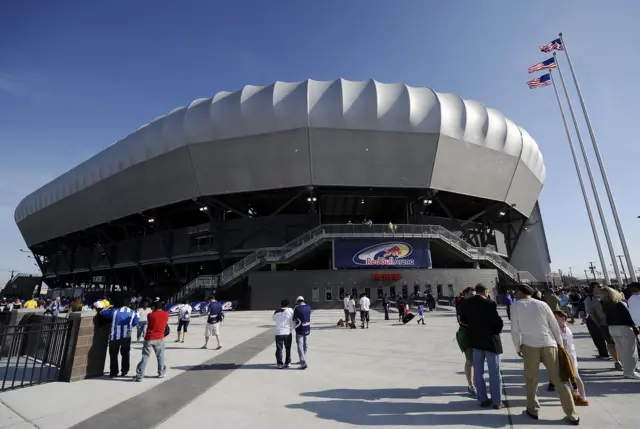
87, 350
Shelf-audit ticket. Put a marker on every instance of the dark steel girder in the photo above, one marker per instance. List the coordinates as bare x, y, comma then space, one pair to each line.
481, 213
463, 229
215, 202
289, 201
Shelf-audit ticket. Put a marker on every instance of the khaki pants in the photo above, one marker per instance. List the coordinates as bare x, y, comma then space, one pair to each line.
626, 345
549, 357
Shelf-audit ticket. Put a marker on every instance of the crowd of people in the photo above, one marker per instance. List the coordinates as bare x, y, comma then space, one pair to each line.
51, 306
541, 333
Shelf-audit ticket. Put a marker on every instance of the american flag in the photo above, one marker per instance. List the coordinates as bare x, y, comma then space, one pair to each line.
539, 82
548, 64
553, 46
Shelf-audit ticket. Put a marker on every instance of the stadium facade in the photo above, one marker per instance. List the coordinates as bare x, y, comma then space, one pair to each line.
263, 194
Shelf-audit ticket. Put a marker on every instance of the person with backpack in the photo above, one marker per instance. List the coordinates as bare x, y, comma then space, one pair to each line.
215, 316
184, 317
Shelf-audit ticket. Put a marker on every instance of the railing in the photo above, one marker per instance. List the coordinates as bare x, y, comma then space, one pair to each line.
199, 283
324, 232
33, 351
18, 275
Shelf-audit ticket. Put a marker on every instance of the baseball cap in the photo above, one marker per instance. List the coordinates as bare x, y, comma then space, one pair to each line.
300, 298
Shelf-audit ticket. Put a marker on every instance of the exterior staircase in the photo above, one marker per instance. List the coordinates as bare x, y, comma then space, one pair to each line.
322, 233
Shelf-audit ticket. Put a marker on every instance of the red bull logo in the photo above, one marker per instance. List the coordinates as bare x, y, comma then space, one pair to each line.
385, 254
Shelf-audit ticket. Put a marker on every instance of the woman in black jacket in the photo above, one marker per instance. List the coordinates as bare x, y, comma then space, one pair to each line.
622, 329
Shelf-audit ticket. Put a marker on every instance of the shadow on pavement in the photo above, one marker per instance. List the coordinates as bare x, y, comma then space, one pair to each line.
598, 382
364, 413
224, 367
377, 394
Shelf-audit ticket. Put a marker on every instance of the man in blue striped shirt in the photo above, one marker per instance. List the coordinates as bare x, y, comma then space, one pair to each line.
123, 319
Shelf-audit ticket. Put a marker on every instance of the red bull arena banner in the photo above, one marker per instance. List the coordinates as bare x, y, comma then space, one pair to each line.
408, 253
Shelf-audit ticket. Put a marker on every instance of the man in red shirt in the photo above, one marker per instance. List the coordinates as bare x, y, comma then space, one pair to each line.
154, 339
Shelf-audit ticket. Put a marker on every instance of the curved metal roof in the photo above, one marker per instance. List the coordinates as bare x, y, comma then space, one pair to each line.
368, 106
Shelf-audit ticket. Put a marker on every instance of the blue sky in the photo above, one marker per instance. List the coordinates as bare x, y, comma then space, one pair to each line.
76, 76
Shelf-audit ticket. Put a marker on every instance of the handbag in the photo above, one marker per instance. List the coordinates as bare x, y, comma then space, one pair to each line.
167, 330
567, 370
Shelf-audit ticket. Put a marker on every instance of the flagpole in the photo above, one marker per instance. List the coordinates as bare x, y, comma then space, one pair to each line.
603, 172
591, 179
579, 173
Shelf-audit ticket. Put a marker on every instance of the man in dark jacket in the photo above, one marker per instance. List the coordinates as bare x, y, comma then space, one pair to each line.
302, 323
484, 325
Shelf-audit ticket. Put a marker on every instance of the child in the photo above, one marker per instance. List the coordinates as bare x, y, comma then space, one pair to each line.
580, 397
421, 314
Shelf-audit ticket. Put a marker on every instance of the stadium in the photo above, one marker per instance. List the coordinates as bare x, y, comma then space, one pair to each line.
314, 188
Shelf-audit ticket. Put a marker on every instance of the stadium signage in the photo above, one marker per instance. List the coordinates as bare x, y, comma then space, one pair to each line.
386, 276
199, 307
366, 253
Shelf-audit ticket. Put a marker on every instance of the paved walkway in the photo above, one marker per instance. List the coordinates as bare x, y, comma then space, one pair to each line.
388, 376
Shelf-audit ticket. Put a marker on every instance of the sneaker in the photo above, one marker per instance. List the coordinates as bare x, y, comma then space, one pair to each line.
280, 366
218, 348
287, 366
303, 366
486, 403
124, 374
137, 379
163, 372
602, 357
182, 341
634, 376
177, 341
618, 366
551, 388
581, 402
471, 390
204, 347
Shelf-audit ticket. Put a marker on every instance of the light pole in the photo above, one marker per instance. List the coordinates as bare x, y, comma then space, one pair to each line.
592, 268
624, 272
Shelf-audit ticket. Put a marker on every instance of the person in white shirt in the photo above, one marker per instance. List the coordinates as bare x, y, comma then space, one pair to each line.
567, 341
365, 304
284, 325
143, 312
184, 317
345, 305
351, 309
634, 302
537, 337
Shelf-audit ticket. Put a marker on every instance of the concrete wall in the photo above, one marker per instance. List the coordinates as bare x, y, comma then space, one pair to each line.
532, 252
267, 289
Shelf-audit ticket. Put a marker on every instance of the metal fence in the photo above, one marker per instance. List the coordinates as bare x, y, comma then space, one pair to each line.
33, 351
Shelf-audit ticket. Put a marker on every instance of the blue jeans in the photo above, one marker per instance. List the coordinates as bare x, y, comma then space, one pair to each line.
142, 330
158, 348
301, 341
495, 383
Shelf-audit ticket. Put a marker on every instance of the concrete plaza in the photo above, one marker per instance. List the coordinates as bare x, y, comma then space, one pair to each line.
390, 375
